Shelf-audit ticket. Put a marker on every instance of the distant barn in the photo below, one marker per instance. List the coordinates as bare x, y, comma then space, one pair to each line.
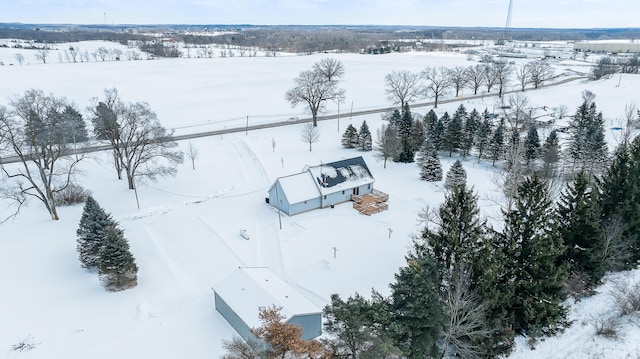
321, 186
238, 296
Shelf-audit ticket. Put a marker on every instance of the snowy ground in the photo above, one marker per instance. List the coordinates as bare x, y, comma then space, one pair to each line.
185, 236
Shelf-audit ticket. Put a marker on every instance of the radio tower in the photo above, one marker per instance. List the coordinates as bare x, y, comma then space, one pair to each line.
507, 26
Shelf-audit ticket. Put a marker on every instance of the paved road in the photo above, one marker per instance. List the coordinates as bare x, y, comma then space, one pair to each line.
13, 159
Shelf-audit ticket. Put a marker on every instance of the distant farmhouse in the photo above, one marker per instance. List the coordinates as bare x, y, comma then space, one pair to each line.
326, 185
238, 297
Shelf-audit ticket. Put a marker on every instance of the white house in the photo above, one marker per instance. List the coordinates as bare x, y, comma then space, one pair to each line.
321, 186
238, 297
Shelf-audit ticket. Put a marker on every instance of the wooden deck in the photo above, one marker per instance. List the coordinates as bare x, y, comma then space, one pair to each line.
371, 203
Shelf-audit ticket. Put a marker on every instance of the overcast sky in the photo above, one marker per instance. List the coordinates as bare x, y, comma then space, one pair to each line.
490, 13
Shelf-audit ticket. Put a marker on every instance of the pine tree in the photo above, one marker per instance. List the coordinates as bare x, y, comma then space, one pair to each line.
458, 230
469, 132
364, 141
550, 155
418, 135
350, 137
496, 145
117, 268
407, 147
483, 137
74, 125
416, 311
91, 232
430, 167
453, 134
456, 176
438, 135
532, 242
579, 223
493, 283
587, 146
430, 120
531, 146
620, 199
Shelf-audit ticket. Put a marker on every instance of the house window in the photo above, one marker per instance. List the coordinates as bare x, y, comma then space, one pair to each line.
305, 202
342, 192
325, 196
369, 186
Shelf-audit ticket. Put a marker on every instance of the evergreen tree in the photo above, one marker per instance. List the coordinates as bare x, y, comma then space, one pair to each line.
620, 199
453, 134
418, 135
117, 267
430, 167
349, 322
493, 282
395, 119
496, 145
364, 141
407, 147
456, 176
437, 137
416, 312
91, 233
532, 242
579, 223
483, 137
430, 120
531, 146
358, 327
74, 125
587, 146
458, 230
350, 137
550, 155
469, 132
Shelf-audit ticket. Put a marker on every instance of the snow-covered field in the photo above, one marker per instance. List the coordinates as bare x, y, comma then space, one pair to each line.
185, 236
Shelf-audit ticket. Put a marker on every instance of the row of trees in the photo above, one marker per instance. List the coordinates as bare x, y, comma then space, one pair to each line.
404, 87
101, 245
47, 135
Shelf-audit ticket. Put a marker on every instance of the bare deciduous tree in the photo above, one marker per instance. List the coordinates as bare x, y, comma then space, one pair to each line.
502, 73
539, 72
314, 89
20, 58
522, 74
402, 87
42, 55
458, 78
387, 143
33, 131
141, 146
332, 69
475, 77
102, 53
437, 82
310, 134
193, 153
466, 326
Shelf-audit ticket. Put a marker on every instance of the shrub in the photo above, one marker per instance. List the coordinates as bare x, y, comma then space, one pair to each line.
626, 296
606, 326
72, 194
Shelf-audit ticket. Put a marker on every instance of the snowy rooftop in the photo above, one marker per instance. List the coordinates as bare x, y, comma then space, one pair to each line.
248, 288
339, 175
299, 187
